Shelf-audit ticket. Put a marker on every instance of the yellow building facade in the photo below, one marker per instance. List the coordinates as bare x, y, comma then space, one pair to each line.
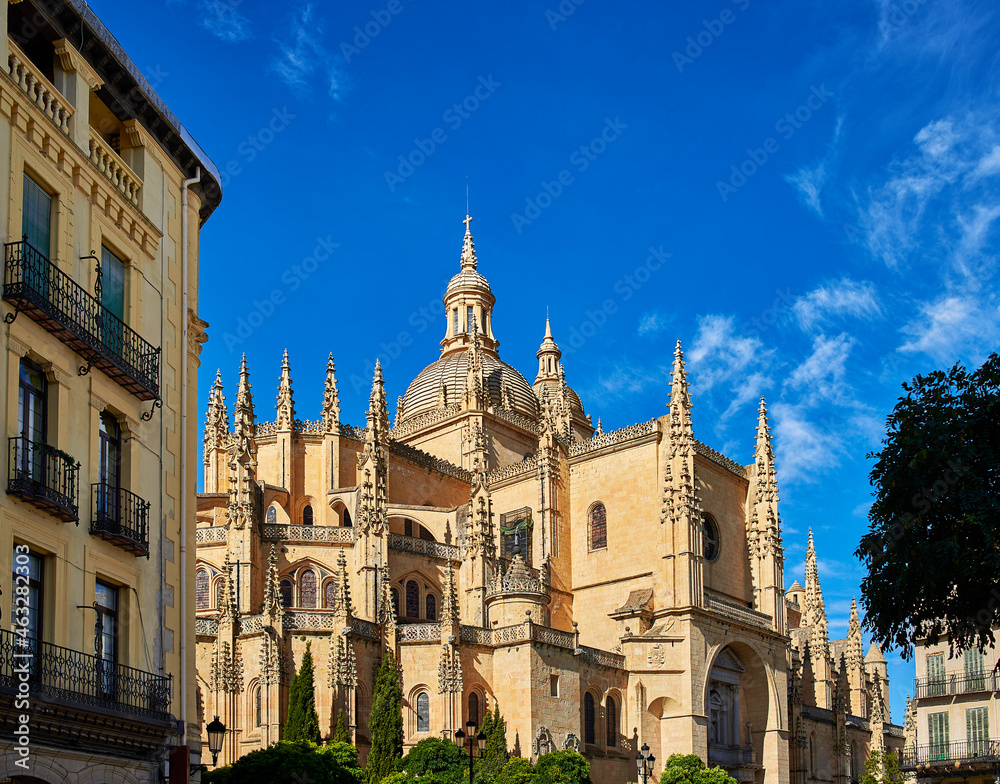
101, 212
606, 589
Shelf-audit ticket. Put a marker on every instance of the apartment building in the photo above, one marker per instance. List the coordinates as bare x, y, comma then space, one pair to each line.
101, 212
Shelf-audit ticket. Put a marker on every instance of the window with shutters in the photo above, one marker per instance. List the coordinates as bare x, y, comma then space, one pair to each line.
307, 589
36, 218
975, 671
936, 685
201, 590
937, 734
423, 712
977, 731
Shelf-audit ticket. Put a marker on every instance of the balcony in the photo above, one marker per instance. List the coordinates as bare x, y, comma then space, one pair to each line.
955, 683
120, 517
35, 286
965, 751
80, 680
44, 477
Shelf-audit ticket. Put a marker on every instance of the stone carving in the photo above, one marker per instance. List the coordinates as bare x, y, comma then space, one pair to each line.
543, 743
331, 401
656, 656
572, 742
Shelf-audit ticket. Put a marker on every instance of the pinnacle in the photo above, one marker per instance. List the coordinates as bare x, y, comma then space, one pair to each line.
469, 260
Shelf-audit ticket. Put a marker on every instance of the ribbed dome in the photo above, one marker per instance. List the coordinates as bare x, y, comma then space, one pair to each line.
452, 370
575, 404
468, 279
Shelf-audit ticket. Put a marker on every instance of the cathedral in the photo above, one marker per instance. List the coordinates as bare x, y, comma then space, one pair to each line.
608, 590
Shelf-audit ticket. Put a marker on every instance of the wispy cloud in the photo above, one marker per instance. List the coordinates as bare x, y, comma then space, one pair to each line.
223, 20
652, 323
837, 299
302, 58
953, 326
821, 377
810, 180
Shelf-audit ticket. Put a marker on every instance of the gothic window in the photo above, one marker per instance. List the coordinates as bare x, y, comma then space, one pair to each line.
201, 590
361, 710
589, 719
272, 515
395, 601
307, 515
611, 722
516, 528
257, 708
329, 593
412, 600
423, 712
474, 708
431, 604
709, 537
307, 589
286, 593
219, 587
598, 527
347, 519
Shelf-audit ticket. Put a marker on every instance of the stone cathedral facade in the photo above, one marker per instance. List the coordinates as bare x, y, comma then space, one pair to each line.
607, 589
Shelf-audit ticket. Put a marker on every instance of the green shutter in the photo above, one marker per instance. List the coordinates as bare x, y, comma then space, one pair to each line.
937, 731
935, 675
975, 675
977, 730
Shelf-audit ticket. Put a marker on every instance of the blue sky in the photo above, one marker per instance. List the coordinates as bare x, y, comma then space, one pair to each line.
805, 194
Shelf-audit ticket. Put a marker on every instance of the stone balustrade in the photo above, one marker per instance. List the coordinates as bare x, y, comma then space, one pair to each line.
110, 164
39, 89
210, 535
736, 612
411, 544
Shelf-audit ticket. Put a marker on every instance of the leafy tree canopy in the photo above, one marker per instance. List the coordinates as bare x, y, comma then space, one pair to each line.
690, 769
562, 767
436, 761
936, 484
385, 723
882, 768
303, 722
289, 763
518, 770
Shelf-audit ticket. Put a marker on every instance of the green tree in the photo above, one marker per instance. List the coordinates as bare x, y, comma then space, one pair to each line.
287, 763
346, 756
436, 761
936, 485
518, 770
495, 755
303, 721
882, 768
563, 767
385, 724
341, 734
691, 769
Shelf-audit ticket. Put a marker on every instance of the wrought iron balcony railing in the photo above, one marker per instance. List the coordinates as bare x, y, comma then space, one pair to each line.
955, 683
120, 517
48, 295
57, 673
44, 477
964, 751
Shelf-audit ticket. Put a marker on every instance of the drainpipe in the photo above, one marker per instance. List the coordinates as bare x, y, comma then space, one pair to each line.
184, 429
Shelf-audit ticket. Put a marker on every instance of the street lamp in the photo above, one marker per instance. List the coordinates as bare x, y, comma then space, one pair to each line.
474, 741
644, 763
216, 731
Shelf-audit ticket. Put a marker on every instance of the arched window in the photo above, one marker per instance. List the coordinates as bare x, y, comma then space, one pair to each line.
395, 600
710, 537
431, 604
474, 707
589, 719
412, 599
347, 519
361, 710
423, 712
219, 595
330, 593
307, 589
272, 515
286, 593
257, 708
598, 527
307, 515
611, 722
201, 590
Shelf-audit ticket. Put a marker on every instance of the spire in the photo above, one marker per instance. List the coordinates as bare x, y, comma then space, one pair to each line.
372, 465
681, 430
763, 524
272, 588
217, 417
548, 356
331, 400
855, 655
449, 600
841, 700
469, 260
378, 411
285, 405
815, 611
342, 602
228, 610
244, 500
244, 419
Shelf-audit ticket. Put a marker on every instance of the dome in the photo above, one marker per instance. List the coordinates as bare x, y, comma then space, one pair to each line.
468, 279
553, 386
452, 370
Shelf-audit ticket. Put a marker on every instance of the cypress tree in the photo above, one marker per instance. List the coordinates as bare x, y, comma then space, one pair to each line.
303, 721
495, 754
385, 724
341, 734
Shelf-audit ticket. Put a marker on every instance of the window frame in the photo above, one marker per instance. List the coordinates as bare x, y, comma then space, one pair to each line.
589, 719
422, 722
591, 545
708, 521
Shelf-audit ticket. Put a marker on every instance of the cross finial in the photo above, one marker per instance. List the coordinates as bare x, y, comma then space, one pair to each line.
468, 223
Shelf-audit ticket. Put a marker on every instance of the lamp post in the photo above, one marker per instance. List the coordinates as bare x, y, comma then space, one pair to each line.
216, 731
473, 742
644, 764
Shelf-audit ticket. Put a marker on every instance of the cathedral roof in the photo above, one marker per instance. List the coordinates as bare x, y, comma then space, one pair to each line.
875, 655
794, 587
451, 372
